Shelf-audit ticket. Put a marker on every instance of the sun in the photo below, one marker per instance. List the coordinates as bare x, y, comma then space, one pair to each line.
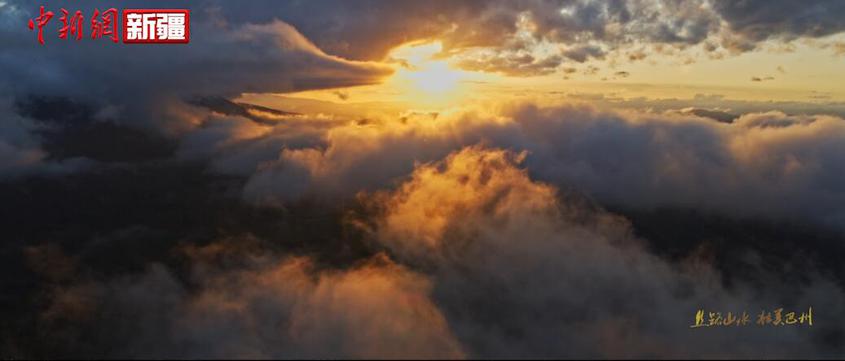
422, 76
434, 78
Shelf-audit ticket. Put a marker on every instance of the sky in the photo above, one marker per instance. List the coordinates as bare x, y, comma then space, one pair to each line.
412, 179
814, 76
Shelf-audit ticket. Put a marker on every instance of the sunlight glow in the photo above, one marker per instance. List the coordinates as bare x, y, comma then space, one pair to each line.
425, 78
435, 78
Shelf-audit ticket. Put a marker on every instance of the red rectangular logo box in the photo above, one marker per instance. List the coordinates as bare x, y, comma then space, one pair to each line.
156, 26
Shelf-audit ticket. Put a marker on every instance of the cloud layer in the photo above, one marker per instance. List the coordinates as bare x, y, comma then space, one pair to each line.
761, 164
483, 262
146, 215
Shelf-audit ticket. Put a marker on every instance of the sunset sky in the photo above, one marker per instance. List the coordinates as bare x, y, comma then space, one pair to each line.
814, 75
426, 179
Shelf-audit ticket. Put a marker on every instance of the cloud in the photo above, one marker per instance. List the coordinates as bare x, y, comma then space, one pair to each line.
479, 232
270, 309
706, 101
763, 164
715, 114
761, 79
20, 151
502, 265
581, 29
510, 64
839, 48
135, 95
342, 95
355, 157
269, 56
582, 54
687, 162
573, 30
520, 274
761, 20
